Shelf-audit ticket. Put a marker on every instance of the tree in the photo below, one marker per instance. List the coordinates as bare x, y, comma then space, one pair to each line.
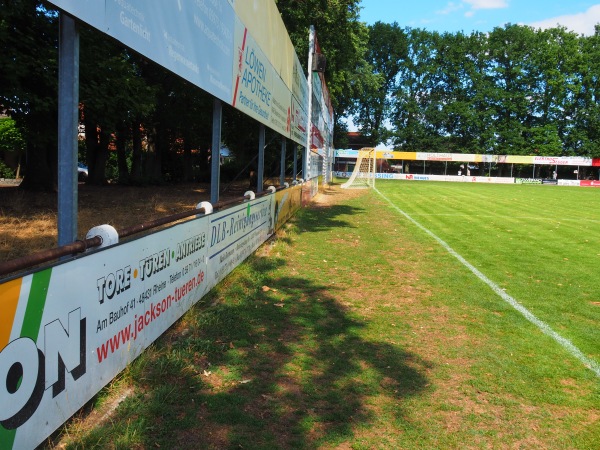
386, 51
12, 147
343, 39
413, 104
583, 130
28, 84
114, 97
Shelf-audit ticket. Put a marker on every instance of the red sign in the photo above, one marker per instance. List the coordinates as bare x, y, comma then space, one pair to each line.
595, 183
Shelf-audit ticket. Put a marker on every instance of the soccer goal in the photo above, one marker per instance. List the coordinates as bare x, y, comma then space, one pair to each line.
363, 175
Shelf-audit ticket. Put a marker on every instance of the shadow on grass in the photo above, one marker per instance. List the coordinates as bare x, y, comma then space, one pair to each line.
277, 362
314, 219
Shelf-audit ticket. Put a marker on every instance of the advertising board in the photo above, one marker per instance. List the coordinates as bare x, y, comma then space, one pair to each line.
287, 202
235, 233
67, 330
72, 327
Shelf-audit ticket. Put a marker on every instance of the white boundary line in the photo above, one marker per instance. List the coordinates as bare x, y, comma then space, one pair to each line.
544, 328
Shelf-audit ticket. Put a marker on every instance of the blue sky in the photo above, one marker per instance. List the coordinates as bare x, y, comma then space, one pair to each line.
483, 15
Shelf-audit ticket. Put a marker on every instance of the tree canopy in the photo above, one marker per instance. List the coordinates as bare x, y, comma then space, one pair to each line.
515, 90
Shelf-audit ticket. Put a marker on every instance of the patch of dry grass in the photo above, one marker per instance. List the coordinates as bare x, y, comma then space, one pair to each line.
28, 220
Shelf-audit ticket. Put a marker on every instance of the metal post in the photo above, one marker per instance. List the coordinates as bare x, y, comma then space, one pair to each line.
282, 166
295, 169
261, 159
68, 118
311, 50
215, 151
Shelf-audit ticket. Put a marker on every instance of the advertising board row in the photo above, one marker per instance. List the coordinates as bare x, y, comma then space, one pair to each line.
451, 178
238, 51
68, 329
476, 158
475, 179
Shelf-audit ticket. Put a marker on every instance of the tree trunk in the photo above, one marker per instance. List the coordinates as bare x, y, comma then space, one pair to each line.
152, 163
136, 157
122, 135
41, 169
99, 177
188, 172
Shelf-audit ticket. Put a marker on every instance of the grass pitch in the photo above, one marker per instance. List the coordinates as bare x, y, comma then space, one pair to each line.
356, 328
539, 244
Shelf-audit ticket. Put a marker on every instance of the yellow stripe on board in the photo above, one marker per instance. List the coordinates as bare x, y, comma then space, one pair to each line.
9, 299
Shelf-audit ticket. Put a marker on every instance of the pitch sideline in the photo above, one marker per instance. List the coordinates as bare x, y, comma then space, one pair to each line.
544, 327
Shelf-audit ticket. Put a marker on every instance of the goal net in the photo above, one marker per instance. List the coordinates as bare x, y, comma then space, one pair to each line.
363, 175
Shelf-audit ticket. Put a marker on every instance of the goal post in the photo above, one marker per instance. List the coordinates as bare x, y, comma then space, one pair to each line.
363, 175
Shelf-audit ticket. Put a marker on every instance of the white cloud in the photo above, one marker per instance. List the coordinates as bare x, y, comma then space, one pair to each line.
473, 6
487, 4
582, 23
450, 8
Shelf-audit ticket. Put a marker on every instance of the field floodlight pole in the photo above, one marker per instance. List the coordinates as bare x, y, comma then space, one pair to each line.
68, 120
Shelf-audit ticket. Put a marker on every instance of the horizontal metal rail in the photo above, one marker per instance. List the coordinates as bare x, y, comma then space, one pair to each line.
80, 246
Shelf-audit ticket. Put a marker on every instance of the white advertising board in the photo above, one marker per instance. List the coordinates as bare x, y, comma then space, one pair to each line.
236, 233
450, 178
281, 108
193, 39
72, 327
69, 329
298, 123
89, 11
258, 91
562, 160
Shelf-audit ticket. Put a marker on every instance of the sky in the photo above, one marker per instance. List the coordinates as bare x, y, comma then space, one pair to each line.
483, 15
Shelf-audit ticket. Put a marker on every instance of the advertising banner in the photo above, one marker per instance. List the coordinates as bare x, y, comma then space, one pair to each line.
264, 22
589, 183
67, 330
281, 108
287, 202
193, 39
463, 157
88, 11
515, 159
562, 182
448, 178
257, 90
562, 160
236, 233
298, 123
300, 85
528, 180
